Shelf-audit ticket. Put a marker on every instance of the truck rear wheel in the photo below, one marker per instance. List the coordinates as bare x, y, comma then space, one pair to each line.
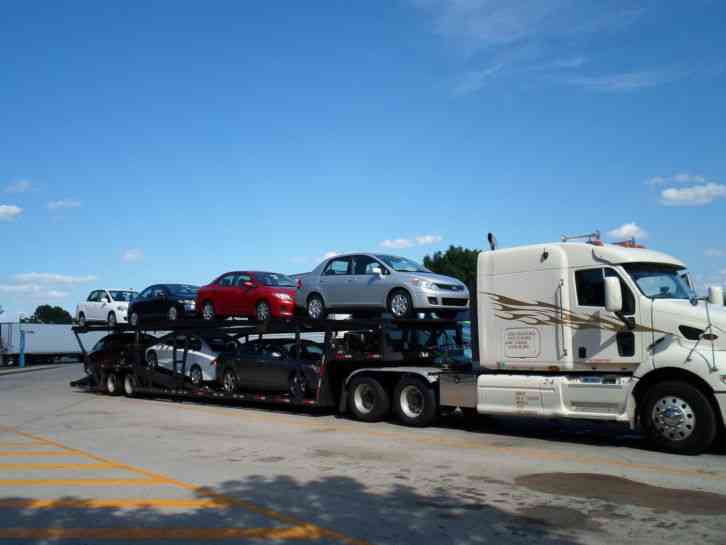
679, 418
368, 400
129, 385
113, 385
414, 402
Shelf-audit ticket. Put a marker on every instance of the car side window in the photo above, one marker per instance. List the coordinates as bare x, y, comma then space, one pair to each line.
251, 347
242, 278
270, 350
145, 294
158, 292
92, 297
338, 267
227, 280
590, 286
104, 297
365, 264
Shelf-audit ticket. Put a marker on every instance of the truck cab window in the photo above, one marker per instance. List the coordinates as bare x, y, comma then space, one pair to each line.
590, 286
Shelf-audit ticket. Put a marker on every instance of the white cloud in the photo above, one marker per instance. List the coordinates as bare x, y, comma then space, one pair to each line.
714, 252
8, 212
402, 243
623, 82
63, 203
628, 231
32, 290
397, 243
680, 178
132, 255
475, 80
423, 240
20, 186
697, 195
53, 278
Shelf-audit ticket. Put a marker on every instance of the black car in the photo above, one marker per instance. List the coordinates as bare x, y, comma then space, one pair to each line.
111, 351
163, 302
272, 365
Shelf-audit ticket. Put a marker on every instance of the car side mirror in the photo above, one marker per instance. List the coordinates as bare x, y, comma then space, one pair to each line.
249, 284
715, 295
377, 270
613, 295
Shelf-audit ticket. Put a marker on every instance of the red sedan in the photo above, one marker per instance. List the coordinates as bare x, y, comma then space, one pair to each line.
253, 294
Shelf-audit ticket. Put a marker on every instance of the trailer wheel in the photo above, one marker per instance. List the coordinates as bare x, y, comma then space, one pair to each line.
414, 402
679, 418
113, 387
130, 385
368, 400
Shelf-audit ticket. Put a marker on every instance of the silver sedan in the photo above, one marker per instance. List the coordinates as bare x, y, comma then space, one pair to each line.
356, 282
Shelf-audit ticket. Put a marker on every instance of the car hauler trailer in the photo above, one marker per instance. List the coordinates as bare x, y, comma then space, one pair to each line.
573, 330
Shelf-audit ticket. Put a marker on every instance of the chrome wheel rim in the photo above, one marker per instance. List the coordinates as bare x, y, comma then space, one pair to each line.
172, 314
151, 360
134, 319
399, 305
196, 376
364, 398
412, 401
229, 382
82, 320
208, 311
673, 418
112, 320
128, 385
111, 384
263, 311
298, 385
315, 308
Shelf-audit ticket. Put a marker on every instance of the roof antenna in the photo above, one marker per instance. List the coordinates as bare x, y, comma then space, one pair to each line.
492, 241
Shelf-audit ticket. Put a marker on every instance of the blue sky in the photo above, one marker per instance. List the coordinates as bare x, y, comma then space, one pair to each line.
171, 141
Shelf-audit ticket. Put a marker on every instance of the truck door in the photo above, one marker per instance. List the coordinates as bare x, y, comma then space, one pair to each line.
600, 339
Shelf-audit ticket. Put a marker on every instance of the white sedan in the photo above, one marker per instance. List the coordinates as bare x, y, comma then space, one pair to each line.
108, 306
201, 356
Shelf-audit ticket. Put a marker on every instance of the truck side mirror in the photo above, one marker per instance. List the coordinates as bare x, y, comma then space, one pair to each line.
715, 295
613, 295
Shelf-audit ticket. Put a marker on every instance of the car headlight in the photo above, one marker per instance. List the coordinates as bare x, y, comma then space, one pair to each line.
423, 284
283, 296
189, 305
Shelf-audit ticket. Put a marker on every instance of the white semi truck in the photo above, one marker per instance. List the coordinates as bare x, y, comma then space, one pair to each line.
587, 330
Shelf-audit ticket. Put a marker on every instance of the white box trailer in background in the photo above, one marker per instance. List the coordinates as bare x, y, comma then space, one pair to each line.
44, 343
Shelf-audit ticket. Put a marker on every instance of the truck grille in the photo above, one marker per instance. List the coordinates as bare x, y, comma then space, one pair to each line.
449, 302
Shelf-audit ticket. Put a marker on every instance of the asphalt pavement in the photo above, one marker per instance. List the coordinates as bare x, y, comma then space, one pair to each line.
78, 467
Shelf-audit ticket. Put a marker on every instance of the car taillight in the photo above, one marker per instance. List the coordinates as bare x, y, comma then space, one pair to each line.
214, 362
299, 283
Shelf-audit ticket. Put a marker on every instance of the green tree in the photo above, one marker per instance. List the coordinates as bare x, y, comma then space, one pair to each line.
457, 261
46, 314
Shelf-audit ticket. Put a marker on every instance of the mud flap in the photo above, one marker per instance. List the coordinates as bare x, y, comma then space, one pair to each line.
85, 382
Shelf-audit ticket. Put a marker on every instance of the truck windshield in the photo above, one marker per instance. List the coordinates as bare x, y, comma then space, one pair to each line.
659, 281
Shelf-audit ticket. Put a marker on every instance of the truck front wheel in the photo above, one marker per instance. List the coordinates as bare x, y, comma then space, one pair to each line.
414, 402
679, 418
368, 399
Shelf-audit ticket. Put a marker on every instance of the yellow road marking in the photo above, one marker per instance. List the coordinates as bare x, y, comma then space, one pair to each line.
303, 531
55, 466
311, 531
521, 452
83, 482
124, 503
24, 453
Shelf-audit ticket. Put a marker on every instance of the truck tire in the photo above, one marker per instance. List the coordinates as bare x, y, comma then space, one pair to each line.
130, 385
414, 402
368, 399
678, 418
113, 385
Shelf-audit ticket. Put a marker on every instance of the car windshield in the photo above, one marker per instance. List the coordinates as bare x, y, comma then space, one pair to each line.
659, 281
182, 290
123, 296
402, 264
275, 279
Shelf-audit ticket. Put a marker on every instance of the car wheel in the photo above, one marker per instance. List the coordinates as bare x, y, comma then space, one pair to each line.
134, 320
111, 319
82, 320
262, 311
173, 314
208, 311
400, 304
678, 417
368, 400
316, 307
152, 360
229, 381
298, 385
129, 385
414, 402
112, 384
196, 376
